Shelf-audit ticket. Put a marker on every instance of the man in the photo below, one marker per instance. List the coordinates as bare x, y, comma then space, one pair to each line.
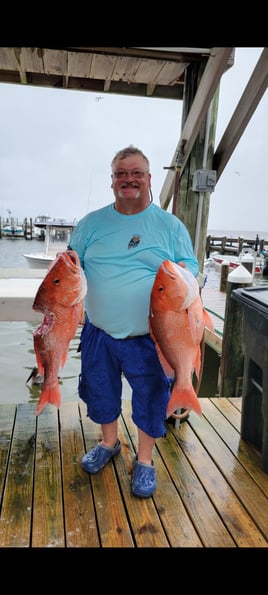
121, 247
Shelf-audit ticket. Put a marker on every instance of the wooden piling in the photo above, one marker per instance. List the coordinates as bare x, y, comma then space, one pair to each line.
232, 360
224, 276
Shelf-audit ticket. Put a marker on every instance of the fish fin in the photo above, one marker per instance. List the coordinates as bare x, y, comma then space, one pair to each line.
40, 366
197, 362
208, 320
63, 359
183, 398
49, 395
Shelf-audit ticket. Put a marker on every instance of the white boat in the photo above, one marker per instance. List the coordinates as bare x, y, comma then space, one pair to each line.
39, 226
57, 236
12, 229
246, 256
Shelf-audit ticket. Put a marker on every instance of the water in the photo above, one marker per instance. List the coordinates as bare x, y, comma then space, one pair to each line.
12, 250
17, 357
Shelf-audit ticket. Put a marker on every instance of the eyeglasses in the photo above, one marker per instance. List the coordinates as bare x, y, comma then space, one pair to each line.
135, 173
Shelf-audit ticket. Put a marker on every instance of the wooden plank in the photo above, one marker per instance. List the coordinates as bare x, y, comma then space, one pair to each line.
111, 516
80, 521
231, 489
211, 489
213, 340
219, 413
48, 525
7, 414
197, 500
227, 409
236, 401
146, 526
177, 525
15, 521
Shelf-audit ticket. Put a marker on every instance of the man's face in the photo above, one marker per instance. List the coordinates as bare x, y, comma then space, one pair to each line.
130, 177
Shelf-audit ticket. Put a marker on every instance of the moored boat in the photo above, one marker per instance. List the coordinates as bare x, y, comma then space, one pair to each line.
57, 236
235, 261
12, 229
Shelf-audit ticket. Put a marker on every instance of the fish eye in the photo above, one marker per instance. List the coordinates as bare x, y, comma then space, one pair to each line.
161, 288
56, 281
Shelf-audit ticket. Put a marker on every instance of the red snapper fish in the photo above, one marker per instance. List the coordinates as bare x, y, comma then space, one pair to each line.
60, 298
177, 321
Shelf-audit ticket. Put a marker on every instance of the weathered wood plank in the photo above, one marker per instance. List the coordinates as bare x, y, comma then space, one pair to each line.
231, 489
7, 415
48, 520
211, 488
236, 401
176, 523
246, 453
197, 500
178, 527
80, 521
228, 411
15, 521
146, 525
111, 516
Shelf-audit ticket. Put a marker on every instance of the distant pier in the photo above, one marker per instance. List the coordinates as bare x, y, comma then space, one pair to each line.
231, 245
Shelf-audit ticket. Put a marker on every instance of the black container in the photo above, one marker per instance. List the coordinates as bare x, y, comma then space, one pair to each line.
254, 419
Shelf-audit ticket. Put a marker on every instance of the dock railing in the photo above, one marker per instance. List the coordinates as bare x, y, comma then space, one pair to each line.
231, 245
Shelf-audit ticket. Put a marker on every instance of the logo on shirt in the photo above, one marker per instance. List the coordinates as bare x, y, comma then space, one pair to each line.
135, 240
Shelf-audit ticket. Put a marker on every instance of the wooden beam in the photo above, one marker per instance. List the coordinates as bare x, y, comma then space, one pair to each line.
252, 95
213, 72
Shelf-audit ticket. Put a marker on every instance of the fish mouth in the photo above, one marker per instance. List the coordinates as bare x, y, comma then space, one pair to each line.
168, 268
71, 257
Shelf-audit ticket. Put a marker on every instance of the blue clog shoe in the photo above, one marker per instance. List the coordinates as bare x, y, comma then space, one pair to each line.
94, 460
143, 480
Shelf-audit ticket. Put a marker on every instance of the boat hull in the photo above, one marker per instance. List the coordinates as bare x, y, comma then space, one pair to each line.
57, 236
233, 262
38, 260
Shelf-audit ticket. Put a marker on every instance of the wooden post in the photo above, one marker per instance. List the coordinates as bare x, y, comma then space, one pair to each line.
224, 275
232, 359
208, 247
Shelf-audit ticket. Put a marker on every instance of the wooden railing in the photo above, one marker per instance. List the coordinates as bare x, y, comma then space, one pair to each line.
225, 244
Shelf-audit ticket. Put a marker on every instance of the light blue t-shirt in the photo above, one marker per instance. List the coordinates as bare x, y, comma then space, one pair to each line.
120, 255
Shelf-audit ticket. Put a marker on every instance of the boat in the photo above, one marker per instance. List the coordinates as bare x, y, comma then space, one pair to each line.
12, 228
39, 226
57, 236
245, 257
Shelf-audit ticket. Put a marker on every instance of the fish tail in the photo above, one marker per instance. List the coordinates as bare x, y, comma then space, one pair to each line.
183, 398
49, 395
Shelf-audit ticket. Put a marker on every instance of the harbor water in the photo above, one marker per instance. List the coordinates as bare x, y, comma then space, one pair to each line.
17, 357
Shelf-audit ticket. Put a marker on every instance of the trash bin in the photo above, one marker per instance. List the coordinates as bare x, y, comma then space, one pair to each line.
254, 418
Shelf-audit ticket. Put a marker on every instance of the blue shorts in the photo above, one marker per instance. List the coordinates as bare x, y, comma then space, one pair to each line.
103, 360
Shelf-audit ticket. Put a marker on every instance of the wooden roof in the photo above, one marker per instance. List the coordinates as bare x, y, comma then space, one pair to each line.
152, 72
146, 72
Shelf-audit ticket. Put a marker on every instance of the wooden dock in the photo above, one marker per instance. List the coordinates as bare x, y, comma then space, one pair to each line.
214, 301
232, 245
211, 489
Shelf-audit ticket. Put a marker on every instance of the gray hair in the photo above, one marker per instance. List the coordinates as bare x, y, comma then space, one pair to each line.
126, 152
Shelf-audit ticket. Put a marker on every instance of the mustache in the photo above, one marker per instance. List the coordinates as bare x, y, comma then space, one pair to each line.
129, 185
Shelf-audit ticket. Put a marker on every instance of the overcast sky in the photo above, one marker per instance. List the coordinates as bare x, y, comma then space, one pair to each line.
56, 147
